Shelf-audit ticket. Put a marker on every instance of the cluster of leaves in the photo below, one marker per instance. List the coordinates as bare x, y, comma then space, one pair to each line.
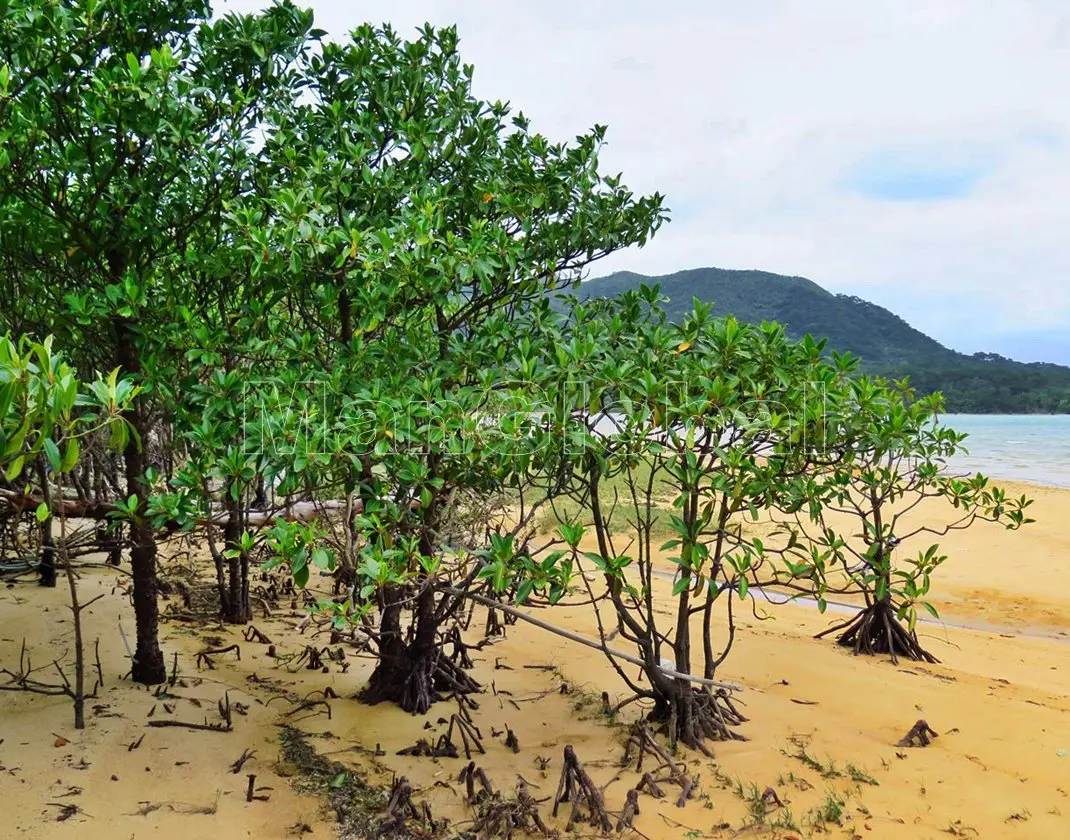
46, 411
325, 267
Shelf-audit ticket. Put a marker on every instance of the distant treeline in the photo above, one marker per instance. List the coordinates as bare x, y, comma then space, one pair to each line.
983, 383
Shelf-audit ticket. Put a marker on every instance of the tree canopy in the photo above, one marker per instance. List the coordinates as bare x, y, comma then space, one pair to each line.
335, 289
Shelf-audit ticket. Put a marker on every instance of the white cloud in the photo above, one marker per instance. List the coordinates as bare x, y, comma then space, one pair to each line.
750, 116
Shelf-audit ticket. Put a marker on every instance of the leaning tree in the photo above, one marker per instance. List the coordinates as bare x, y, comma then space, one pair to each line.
891, 482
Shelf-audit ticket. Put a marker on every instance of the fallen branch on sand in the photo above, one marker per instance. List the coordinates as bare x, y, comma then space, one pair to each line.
205, 727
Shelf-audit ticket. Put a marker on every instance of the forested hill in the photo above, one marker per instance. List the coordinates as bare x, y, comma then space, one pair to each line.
981, 383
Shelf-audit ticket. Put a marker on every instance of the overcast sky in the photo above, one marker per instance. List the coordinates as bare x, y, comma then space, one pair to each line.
913, 152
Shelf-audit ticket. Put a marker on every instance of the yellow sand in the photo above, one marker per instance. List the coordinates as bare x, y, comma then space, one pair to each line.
1000, 701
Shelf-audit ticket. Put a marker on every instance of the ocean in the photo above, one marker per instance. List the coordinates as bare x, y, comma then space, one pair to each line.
1021, 447
1026, 447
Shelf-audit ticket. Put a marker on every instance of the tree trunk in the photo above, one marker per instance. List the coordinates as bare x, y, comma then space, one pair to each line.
47, 568
413, 674
236, 608
148, 666
79, 649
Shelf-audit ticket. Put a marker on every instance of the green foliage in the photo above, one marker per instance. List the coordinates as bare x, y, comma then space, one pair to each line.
887, 455
45, 410
701, 424
427, 226
327, 274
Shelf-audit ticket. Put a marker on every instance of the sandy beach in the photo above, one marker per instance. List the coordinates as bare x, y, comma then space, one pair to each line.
822, 726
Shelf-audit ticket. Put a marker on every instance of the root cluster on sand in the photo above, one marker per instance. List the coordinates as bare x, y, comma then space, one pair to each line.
920, 735
400, 809
666, 770
575, 786
496, 815
444, 747
695, 715
876, 630
423, 684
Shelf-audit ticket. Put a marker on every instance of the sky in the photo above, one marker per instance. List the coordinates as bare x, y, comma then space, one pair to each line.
913, 152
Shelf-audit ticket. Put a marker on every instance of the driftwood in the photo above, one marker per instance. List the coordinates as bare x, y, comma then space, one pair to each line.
74, 508
205, 727
293, 512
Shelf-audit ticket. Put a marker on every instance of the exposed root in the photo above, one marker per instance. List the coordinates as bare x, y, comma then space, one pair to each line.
237, 766
666, 771
459, 656
424, 748
251, 790
694, 715
310, 656
576, 787
920, 735
494, 626
422, 683
876, 630
399, 809
204, 657
471, 775
254, 635
500, 817
630, 812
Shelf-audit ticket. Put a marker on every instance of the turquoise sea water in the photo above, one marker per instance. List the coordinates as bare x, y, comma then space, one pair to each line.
1026, 447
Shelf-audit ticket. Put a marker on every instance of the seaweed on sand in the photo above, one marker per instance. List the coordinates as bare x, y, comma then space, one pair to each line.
360, 806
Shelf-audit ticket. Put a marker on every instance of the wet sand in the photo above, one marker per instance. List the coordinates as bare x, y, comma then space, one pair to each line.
1000, 700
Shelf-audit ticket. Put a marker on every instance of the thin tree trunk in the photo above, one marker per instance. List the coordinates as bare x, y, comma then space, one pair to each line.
76, 613
237, 609
79, 647
148, 666
47, 568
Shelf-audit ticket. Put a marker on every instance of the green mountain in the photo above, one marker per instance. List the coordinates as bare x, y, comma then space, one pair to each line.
981, 383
